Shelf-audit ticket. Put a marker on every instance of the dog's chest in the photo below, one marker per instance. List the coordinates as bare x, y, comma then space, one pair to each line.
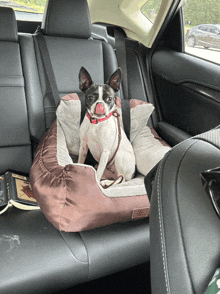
101, 136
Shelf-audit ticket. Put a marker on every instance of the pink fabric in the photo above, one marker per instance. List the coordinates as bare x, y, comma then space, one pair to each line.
70, 197
133, 102
69, 97
156, 136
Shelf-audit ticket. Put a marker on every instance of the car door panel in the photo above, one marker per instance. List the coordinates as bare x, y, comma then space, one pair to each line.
187, 90
184, 90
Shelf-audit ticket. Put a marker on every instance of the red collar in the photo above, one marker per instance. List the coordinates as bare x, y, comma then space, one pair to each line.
94, 120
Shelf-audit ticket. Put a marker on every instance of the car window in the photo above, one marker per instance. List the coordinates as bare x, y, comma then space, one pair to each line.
202, 28
151, 8
214, 30
30, 10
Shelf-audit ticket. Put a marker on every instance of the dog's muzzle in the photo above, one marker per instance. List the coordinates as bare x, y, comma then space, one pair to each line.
99, 109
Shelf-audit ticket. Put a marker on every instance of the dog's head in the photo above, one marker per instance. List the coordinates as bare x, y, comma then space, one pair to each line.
99, 98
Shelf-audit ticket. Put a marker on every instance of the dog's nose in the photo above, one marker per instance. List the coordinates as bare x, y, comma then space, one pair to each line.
99, 109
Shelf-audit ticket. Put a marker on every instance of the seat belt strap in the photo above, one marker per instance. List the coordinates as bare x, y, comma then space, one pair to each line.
122, 62
51, 80
52, 85
47, 65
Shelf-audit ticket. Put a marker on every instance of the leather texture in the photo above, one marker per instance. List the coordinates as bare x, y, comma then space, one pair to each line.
96, 56
191, 70
135, 79
185, 230
16, 158
14, 131
8, 28
187, 92
171, 134
12, 89
66, 65
181, 107
37, 258
33, 88
73, 20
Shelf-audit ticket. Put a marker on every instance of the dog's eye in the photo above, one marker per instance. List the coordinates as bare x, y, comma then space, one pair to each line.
109, 99
90, 98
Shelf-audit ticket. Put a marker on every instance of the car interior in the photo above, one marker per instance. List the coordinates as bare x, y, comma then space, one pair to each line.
177, 248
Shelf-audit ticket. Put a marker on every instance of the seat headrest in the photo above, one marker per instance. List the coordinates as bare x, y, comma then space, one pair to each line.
67, 18
8, 25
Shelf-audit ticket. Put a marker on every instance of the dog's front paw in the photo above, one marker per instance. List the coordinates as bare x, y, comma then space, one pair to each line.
108, 183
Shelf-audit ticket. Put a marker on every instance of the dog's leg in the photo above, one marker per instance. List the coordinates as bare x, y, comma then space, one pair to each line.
125, 166
83, 150
102, 164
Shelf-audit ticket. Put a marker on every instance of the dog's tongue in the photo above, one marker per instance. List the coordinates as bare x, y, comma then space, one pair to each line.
100, 109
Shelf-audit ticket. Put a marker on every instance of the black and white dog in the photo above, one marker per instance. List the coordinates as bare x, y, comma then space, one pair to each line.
99, 131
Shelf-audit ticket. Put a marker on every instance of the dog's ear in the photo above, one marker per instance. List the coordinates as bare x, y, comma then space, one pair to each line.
115, 80
85, 80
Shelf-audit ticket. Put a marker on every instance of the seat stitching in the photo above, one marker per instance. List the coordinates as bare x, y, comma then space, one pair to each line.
177, 203
161, 232
165, 269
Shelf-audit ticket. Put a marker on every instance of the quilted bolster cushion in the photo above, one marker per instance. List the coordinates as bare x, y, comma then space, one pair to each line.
68, 193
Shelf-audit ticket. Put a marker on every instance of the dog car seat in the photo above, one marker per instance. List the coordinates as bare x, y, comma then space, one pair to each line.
74, 201
185, 229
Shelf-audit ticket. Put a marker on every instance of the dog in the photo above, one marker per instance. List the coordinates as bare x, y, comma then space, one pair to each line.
100, 131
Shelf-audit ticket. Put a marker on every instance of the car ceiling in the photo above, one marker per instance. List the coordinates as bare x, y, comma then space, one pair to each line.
127, 14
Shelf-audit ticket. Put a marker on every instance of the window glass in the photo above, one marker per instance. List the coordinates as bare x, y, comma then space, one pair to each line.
214, 30
202, 28
31, 10
151, 8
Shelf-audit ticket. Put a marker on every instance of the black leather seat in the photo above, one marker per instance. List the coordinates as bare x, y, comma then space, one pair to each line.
15, 145
185, 230
34, 256
66, 26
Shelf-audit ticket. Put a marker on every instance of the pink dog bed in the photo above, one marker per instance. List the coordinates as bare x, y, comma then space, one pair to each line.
68, 193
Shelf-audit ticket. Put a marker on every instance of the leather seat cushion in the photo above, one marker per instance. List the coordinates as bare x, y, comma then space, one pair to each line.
45, 260
185, 230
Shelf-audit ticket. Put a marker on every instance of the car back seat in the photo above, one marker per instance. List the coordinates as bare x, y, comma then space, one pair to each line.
66, 27
34, 256
15, 146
